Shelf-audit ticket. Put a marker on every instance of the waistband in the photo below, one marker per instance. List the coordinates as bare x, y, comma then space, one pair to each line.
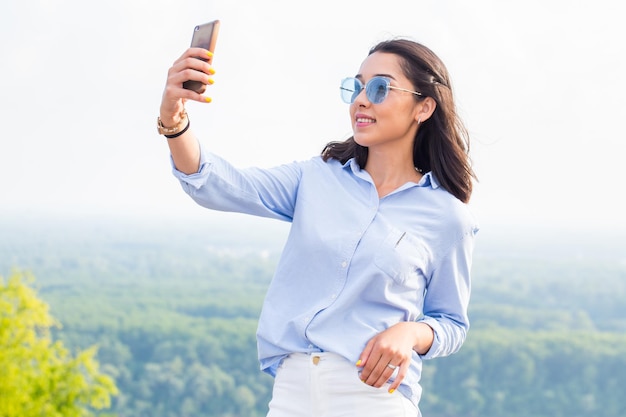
317, 358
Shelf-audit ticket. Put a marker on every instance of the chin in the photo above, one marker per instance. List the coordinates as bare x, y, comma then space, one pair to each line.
362, 140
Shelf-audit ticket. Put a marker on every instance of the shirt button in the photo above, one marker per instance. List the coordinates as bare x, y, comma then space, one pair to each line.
316, 360
333, 296
344, 264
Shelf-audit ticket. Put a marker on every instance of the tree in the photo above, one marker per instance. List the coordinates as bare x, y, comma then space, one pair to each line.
39, 376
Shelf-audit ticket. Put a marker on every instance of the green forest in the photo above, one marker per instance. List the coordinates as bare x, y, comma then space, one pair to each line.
172, 307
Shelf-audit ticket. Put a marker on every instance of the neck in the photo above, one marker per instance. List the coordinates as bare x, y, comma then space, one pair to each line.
391, 171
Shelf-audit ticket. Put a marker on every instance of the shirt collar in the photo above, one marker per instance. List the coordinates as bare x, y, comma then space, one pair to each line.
428, 179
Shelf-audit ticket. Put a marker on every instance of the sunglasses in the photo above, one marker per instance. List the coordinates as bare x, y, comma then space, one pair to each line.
376, 89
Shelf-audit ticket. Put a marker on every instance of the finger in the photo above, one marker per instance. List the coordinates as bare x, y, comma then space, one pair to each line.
194, 65
386, 372
376, 372
402, 370
190, 69
174, 89
193, 75
201, 65
200, 53
365, 354
369, 374
369, 359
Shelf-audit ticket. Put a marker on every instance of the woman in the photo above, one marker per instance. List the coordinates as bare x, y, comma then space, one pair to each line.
375, 274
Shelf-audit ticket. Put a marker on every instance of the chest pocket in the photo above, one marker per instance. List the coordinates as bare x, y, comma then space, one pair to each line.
404, 258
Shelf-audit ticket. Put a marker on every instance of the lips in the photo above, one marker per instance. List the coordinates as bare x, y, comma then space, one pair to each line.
362, 119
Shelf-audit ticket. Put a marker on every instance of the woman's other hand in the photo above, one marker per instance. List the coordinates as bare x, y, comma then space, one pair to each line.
391, 351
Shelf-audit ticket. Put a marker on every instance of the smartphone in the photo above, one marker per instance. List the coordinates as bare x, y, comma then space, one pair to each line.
204, 36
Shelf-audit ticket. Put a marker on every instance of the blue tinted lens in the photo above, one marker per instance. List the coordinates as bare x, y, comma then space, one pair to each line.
350, 88
377, 89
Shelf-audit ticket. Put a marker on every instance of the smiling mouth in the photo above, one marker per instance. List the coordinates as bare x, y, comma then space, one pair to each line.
365, 120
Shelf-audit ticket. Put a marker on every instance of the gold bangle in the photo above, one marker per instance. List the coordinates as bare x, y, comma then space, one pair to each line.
182, 124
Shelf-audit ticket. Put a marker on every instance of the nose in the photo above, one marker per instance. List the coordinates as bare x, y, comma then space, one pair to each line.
361, 99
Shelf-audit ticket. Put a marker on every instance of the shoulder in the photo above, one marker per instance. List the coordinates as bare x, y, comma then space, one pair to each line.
318, 165
455, 217
463, 217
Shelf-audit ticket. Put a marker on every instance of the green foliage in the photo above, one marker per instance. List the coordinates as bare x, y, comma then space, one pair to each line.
39, 376
174, 314
520, 373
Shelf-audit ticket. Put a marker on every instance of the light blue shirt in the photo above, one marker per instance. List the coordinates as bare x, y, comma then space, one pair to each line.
353, 264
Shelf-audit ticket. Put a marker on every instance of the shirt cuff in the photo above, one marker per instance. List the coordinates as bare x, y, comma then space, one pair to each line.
435, 348
197, 179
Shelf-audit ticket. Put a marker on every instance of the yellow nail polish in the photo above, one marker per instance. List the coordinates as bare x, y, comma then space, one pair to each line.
358, 363
208, 99
391, 391
210, 81
211, 71
210, 54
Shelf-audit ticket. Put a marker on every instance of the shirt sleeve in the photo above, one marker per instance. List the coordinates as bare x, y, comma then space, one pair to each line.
218, 185
447, 298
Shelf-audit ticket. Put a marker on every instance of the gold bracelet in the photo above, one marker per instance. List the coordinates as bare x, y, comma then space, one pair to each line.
182, 124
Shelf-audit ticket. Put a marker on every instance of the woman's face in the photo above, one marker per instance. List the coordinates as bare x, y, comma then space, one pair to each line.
393, 122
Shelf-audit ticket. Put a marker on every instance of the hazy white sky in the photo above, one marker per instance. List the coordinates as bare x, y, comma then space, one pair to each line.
540, 85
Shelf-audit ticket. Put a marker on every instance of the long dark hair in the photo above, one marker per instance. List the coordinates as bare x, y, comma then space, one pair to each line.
442, 142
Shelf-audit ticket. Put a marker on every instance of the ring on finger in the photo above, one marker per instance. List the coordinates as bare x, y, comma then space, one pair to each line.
391, 366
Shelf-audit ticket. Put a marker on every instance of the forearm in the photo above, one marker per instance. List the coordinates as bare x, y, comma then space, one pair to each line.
185, 151
184, 146
173, 119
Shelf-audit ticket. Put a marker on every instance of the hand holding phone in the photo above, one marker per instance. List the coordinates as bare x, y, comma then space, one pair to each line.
204, 36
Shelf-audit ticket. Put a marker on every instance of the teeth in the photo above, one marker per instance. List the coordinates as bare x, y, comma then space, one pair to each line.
364, 120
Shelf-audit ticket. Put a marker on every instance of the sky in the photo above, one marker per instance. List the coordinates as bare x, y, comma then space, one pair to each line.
539, 84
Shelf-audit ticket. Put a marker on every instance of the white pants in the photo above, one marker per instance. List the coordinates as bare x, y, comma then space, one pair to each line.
327, 385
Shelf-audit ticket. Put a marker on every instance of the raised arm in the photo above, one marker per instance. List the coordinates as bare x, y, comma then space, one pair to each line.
173, 120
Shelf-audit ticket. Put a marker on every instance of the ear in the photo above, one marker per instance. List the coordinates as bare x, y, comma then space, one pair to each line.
425, 109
